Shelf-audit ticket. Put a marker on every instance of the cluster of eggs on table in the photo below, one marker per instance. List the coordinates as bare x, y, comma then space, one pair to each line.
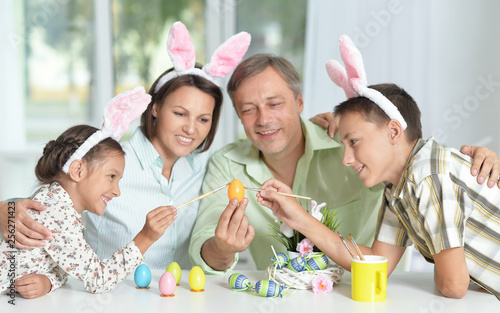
313, 262
269, 288
316, 262
170, 279
264, 287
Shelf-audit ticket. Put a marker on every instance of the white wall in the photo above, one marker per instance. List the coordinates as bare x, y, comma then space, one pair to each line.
447, 59
446, 54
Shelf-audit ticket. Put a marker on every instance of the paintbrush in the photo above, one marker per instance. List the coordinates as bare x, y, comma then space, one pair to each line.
282, 193
347, 246
203, 196
356, 247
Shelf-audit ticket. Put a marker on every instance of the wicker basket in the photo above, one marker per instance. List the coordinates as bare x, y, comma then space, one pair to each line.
302, 280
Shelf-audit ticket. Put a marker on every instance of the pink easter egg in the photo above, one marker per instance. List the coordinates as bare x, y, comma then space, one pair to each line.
167, 284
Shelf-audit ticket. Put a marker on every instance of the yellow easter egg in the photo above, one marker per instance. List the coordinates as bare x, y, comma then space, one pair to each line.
236, 190
197, 279
175, 269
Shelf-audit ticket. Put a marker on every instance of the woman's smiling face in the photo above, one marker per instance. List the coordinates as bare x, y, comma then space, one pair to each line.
183, 121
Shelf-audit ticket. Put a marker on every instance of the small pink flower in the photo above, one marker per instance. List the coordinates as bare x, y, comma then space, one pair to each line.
304, 247
322, 284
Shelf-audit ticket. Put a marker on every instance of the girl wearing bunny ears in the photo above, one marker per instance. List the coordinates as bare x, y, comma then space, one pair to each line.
167, 155
80, 171
165, 164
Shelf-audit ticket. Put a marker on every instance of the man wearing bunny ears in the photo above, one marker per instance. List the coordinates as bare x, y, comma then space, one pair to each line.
266, 94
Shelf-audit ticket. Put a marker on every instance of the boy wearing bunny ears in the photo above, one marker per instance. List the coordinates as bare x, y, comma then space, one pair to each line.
430, 198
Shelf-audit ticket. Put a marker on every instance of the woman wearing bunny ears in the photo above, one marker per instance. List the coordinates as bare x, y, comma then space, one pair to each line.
80, 171
165, 160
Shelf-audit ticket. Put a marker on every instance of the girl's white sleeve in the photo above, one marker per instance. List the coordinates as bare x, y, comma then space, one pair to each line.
57, 278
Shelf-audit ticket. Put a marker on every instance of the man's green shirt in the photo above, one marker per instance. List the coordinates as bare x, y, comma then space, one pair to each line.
320, 175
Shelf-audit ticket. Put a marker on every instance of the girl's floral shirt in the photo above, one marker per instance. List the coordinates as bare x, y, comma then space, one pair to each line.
68, 253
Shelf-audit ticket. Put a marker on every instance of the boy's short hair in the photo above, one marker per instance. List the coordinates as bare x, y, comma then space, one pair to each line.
374, 114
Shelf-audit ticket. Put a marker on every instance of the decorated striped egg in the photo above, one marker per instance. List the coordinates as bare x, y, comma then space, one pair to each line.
267, 288
239, 282
281, 260
297, 264
318, 262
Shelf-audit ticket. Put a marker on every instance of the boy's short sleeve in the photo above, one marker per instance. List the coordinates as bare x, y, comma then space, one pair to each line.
389, 230
440, 218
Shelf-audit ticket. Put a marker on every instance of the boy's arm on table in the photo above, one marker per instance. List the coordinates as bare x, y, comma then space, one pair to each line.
450, 273
294, 215
331, 244
437, 208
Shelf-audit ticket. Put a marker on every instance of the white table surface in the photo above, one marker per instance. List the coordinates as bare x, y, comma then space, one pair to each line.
406, 292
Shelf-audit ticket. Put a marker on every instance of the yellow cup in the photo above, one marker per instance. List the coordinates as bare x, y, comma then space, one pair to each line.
369, 279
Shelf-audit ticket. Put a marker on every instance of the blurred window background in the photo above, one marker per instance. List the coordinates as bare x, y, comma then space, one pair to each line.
65, 79
57, 75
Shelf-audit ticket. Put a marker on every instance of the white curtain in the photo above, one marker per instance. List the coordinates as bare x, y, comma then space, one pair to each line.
12, 135
446, 54
16, 173
221, 24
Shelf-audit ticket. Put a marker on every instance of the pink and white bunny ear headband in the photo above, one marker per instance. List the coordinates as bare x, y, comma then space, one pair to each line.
120, 111
181, 51
353, 79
